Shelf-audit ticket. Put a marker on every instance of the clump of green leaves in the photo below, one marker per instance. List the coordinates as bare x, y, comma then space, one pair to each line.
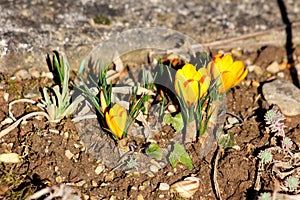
179, 154
58, 104
103, 96
226, 140
265, 156
154, 151
57, 100
292, 183
176, 121
265, 196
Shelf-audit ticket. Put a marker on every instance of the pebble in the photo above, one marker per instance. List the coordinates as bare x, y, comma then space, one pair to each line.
9, 158
280, 74
7, 120
31, 93
109, 177
273, 68
47, 75
251, 68
66, 135
283, 65
5, 96
140, 197
170, 174
237, 52
59, 179
113, 197
164, 186
34, 72
285, 95
99, 169
255, 83
154, 168
94, 183
80, 183
22, 75
69, 154
172, 108
258, 71
187, 187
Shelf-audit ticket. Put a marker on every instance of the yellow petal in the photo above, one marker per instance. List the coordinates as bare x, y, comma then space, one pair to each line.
116, 120
226, 62
228, 79
238, 67
242, 77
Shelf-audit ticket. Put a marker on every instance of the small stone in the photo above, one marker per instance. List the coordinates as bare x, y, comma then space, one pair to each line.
87, 197
150, 174
251, 68
22, 75
170, 174
237, 52
134, 188
113, 197
140, 197
31, 94
94, 183
66, 135
164, 186
172, 108
280, 74
285, 95
142, 188
283, 65
80, 183
273, 68
54, 131
99, 169
7, 120
47, 75
34, 72
161, 196
77, 146
233, 120
5, 96
154, 168
59, 179
258, 71
109, 177
255, 83
69, 154
9, 158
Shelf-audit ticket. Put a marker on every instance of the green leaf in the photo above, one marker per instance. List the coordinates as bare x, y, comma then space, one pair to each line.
168, 118
226, 140
154, 151
179, 154
176, 121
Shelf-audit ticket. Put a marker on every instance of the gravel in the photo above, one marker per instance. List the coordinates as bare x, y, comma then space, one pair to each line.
31, 29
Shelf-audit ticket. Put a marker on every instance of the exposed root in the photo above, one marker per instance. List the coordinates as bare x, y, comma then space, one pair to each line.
214, 174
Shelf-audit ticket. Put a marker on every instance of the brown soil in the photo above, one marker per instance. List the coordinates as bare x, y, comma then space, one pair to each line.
44, 162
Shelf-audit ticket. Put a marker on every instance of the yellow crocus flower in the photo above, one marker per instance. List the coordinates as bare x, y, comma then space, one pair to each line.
116, 120
188, 80
232, 73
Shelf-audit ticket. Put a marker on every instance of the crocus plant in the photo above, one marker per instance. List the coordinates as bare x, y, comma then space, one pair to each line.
231, 72
198, 89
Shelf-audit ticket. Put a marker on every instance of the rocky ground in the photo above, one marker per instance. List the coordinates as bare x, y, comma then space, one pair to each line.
53, 154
